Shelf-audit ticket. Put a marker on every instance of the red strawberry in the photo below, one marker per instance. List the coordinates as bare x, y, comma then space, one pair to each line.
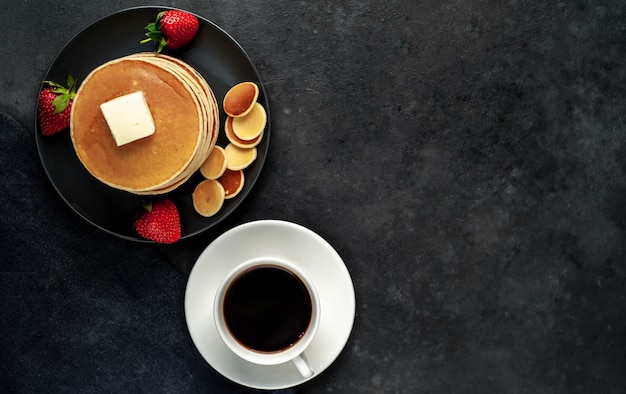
55, 105
160, 222
173, 29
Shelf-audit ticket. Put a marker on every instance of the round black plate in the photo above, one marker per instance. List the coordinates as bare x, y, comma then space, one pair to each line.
215, 54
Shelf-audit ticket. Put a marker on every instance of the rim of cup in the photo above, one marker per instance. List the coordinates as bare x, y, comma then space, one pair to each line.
256, 356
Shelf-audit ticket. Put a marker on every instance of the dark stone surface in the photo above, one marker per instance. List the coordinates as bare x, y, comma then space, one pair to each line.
467, 159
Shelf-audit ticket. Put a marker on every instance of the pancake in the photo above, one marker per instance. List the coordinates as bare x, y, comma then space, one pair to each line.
208, 108
233, 139
185, 116
239, 158
208, 197
251, 125
232, 182
215, 164
239, 99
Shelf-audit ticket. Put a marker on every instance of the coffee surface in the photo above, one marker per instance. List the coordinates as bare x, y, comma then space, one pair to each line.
267, 308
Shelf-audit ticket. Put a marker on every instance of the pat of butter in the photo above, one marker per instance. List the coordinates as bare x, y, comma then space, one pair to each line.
128, 117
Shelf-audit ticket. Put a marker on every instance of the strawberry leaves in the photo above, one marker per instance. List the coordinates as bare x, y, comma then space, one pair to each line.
153, 32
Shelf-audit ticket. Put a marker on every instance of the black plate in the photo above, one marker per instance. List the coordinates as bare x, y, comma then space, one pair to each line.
214, 53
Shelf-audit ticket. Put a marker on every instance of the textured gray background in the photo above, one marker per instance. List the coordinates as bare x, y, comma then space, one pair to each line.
466, 158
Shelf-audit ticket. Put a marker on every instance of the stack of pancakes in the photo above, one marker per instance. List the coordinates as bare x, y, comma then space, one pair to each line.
185, 115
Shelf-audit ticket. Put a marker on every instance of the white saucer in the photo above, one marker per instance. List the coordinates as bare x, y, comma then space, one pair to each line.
280, 239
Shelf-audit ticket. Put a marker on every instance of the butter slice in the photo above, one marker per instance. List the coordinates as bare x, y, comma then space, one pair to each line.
128, 117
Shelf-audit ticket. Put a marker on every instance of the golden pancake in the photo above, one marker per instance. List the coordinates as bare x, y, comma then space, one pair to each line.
215, 164
239, 158
232, 182
208, 197
208, 106
185, 115
252, 124
233, 139
239, 99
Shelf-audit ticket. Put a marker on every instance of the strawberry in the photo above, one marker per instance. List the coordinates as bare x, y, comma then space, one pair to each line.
55, 105
172, 29
160, 222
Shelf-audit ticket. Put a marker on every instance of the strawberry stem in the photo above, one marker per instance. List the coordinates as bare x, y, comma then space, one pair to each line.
154, 33
147, 204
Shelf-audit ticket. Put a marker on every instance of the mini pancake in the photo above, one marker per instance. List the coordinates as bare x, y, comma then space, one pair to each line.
252, 124
232, 181
208, 197
239, 158
215, 164
233, 139
239, 99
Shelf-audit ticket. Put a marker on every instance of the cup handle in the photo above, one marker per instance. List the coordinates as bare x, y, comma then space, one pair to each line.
303, 366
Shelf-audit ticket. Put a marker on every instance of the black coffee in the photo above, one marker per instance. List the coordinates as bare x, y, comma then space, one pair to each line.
267, 308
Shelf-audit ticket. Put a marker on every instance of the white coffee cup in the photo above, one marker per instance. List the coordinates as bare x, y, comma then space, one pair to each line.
249, 313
